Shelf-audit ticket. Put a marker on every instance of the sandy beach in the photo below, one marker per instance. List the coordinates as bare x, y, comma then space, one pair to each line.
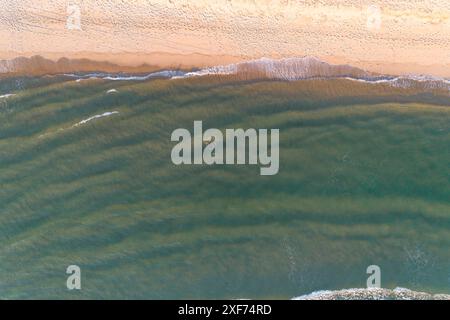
378, 36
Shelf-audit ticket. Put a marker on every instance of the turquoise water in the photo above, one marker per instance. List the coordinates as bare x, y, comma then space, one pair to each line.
364, 179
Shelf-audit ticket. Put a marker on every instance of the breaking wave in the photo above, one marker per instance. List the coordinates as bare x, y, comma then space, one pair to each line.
4, 96
106, 114
125, 77
287, 69
84, 121
408, 81
372, 294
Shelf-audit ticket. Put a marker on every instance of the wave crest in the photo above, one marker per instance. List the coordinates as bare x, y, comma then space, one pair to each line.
372, 294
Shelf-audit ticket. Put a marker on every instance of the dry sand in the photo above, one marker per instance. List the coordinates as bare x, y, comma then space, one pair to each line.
396, 37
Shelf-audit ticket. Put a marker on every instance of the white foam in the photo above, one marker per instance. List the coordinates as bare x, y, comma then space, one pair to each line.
125, 77
372, 294
289, 69
372, 81
106, 114
111, 91
295, 68
85, 79
7, 95
292, 69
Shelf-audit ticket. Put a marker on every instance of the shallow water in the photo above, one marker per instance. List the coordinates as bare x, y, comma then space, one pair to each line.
364, 179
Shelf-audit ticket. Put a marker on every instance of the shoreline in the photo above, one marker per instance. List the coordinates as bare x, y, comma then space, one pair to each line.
141, 62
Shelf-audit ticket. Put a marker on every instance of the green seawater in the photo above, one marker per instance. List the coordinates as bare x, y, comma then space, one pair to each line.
364, 179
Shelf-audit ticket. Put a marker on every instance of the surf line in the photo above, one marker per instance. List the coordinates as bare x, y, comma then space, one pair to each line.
210, 147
